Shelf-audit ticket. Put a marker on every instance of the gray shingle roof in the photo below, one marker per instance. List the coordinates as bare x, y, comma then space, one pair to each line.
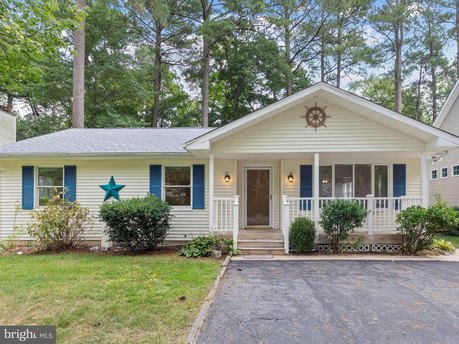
106, 141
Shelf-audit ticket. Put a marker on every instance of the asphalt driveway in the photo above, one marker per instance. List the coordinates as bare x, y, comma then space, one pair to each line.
335, 302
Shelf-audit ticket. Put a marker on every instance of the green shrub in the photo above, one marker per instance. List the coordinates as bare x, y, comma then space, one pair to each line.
137, 224
200, 246
60, 225
340, 217
418, 225
302, 235
443, 245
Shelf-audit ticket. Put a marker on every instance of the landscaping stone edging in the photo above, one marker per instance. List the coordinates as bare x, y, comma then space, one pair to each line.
193, 334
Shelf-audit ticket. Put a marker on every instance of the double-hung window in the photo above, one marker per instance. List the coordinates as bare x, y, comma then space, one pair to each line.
444, 172
433, 174
455, 170
50, 184
177, 185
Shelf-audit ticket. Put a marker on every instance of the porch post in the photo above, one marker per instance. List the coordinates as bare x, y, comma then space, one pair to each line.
316, 188
370, 208
211, 191
424, 180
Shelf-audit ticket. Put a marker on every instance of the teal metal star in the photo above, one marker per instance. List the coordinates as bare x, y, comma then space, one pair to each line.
112, 189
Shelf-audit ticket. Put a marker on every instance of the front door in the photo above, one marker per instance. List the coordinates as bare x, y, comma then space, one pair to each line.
258, 196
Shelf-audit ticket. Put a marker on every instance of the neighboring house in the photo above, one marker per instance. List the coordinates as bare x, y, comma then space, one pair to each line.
7, 127
250, 178
444, 169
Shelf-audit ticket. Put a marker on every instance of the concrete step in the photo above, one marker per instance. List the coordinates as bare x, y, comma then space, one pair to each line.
261, 236
242, 243
261, 251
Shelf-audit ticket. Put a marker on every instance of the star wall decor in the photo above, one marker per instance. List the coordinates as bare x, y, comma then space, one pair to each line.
112, 189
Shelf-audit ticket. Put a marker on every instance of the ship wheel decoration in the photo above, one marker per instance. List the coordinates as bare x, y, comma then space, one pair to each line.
315, 116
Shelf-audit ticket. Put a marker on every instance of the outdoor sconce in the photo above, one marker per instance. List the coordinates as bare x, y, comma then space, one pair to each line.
227, 177
290, 178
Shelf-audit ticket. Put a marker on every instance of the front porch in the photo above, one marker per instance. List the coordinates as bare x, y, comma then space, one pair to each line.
255, 201
378, 233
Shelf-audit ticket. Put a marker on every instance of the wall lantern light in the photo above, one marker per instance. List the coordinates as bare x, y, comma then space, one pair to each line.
290, 178
227, 177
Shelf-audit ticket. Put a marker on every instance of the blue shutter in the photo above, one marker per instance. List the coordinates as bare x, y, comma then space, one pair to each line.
155, 180
305, 185
198, 186
399, 182
28, 179
70, 183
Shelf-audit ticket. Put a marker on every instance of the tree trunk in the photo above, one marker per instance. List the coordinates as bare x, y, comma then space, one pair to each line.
338, 70
398, 66
157, 75
205, 82
322, 58
9, 103
205, 67
338, 59
288, 59
418, 91
434, 86
457, 38
78, 72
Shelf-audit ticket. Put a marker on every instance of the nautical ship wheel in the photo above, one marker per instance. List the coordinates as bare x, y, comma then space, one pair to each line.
315, 117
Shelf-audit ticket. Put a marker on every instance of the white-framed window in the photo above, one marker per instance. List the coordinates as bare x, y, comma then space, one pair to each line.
354, 180
444, 172
177, 185
433, 174
455, 169
50, 183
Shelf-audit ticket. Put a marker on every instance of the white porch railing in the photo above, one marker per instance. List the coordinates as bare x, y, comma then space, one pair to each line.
226, 216
381, 218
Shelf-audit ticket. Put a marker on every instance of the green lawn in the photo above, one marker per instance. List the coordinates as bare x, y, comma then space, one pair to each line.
454, 239
95, 298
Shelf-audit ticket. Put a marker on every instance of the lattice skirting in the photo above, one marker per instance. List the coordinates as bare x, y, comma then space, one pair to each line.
389, 248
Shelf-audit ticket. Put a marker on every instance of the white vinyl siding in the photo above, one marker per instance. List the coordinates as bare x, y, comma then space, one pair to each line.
7, 128
345, 131
447, 188
222, 188
186, 223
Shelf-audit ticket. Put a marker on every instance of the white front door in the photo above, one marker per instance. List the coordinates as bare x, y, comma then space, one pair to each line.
258, 196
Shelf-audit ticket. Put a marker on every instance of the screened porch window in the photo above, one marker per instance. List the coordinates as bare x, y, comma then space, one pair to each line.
362, 180
50, 184
177, 185
343, 181
381, 181
326, 181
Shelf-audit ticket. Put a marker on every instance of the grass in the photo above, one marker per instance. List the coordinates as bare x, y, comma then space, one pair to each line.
454, 239
95, 298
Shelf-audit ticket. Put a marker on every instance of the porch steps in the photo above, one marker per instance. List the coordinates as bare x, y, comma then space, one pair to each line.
261, 242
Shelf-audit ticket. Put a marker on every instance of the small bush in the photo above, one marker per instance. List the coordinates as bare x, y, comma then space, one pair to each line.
137, 224
340, 217
302, 235
418, 225
200, 246
60, 225
443, 245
